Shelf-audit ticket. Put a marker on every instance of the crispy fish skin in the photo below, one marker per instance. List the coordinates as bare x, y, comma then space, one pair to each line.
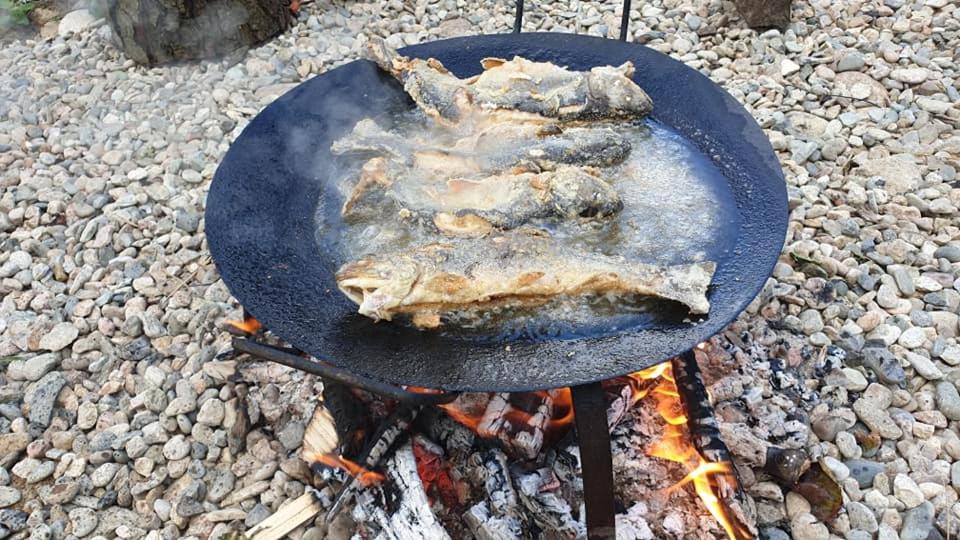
503, 201
549, 90
520, 267
494, 148
539, 88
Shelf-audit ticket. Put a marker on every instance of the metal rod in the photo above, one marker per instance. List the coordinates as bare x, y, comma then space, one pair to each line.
625, 21
340, 375
518, 17
590, 415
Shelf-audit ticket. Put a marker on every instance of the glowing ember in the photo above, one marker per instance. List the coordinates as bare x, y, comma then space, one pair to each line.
364, 476
248, 326
522, 411
434, 474
707, 477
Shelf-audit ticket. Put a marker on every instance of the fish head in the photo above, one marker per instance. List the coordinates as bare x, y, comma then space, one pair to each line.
575, 192
378, 284
621, 96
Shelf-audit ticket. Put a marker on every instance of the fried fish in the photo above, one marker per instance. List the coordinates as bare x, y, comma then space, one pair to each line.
520, 267
494, 148
539, 89
503, 201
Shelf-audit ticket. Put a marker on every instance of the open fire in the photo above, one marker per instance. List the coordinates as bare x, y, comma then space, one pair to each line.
529, 422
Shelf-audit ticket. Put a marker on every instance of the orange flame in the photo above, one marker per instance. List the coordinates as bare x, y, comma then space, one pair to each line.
522, 409
675, 446
248, 325
366, 477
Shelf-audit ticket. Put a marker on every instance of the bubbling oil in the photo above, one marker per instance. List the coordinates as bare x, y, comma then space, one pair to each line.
677, 208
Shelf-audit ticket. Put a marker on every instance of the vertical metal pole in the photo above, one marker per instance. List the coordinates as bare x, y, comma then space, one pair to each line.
518, 17
625, 21
590, 414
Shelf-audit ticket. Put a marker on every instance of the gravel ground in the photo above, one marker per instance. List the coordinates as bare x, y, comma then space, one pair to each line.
116, 418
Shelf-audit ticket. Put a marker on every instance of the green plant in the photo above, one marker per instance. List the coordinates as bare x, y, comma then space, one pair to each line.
14, 13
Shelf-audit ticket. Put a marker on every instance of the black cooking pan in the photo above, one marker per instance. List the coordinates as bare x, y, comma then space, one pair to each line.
272, 187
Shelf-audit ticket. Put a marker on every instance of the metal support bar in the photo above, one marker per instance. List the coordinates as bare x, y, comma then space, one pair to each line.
327, 371
590, 414
625, 20
518, 17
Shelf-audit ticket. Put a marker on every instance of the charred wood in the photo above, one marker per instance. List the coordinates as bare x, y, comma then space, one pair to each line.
412, 518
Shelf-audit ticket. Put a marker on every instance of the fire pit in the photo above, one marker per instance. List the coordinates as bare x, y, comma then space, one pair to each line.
272, 187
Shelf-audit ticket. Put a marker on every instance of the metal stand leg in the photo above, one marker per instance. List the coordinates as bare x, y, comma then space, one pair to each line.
590, 411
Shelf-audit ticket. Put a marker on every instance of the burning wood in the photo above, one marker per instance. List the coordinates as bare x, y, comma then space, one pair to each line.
713, 481
246, 327
536, 487
521, 421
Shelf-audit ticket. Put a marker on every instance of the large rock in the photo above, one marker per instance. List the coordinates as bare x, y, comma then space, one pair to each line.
75, 21
160, 31
764, 13
900, 172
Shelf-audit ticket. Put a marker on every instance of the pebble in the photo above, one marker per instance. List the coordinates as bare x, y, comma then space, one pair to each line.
948, 400
176, 448
59, 337
83, 520
885, 365
918, 522
9, 496
924, 366
864, 471
905, 489
40, 397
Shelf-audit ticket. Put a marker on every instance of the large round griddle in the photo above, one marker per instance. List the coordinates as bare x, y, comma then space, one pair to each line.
272, 187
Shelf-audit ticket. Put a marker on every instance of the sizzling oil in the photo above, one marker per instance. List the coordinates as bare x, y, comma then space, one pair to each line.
677, 208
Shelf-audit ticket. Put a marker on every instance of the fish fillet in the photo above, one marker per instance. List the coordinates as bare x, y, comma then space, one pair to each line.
504, 201
540, 89
523, 266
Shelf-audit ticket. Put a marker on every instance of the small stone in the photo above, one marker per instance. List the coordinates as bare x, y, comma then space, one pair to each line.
873, 412
912, 338
59, 337
33, 368
905, 489
811, 321
102, 475
112, 157
788, 67
861, 517
211, 412
948, 400
87, 415
850, 60
950, 252
176, 448
83, 521
910, 75
257, 514
806, 527
838, 470
856, 382
884, 364
9, 496
924, 366
918, 522
41, 397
